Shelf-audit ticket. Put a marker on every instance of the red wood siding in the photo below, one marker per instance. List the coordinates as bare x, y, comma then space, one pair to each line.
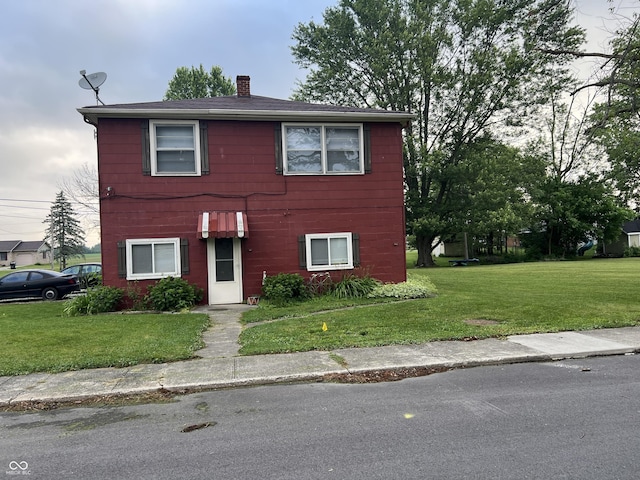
243, 178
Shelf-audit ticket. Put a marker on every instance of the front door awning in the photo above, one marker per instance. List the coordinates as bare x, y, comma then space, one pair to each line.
223, 225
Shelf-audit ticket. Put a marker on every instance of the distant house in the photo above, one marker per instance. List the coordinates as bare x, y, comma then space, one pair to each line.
629, 237
221, 191
24, 253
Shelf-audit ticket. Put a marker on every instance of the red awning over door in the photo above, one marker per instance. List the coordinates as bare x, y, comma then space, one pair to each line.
223, 225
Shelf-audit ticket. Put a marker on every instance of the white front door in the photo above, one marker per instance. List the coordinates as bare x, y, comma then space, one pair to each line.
224, 261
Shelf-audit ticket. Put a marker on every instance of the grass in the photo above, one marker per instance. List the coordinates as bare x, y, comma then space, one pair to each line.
269, 311
520, 298
36, 337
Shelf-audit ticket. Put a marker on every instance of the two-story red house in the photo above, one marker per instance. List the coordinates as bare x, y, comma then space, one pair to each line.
221, 191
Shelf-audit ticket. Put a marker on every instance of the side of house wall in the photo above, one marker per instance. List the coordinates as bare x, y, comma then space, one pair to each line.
243, 178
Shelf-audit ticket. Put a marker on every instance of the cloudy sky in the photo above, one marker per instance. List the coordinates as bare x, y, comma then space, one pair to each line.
139, 44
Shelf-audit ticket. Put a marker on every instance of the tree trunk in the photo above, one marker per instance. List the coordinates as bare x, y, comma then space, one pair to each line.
425, 248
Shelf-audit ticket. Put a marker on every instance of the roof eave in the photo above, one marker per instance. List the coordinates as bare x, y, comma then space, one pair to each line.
92, 115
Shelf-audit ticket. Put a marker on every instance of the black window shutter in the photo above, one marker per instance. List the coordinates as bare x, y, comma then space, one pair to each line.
302, 251
366, 129
204, 149
278, 149
146, 148
122, 259
184, 256
355, 246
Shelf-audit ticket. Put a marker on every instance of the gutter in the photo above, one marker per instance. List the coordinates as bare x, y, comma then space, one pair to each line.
91, 115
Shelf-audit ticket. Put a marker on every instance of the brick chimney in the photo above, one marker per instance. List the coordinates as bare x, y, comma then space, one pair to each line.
243, 84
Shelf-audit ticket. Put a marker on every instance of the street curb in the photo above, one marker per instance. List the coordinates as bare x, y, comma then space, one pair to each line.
340, 375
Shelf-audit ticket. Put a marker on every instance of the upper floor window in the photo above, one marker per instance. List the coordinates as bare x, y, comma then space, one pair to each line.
175, 147
323, 149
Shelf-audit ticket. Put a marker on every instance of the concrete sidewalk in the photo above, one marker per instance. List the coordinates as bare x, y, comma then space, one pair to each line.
219, 365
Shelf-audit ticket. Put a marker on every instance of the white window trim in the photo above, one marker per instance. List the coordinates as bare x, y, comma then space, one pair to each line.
154, 275
327, 236
153, 147
323, 144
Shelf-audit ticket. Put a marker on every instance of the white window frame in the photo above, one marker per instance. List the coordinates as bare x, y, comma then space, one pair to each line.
130, 243
329, 266
154, 148
323, 145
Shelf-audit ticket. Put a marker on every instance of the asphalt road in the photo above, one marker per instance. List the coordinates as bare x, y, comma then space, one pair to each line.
576, 419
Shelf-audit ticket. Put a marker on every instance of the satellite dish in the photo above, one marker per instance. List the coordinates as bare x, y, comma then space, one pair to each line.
92, 82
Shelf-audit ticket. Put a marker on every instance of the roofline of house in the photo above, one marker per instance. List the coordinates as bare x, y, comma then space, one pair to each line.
91, 115
19, 243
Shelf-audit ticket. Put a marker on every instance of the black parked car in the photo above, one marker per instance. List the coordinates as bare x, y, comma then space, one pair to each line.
89, 274
47, 284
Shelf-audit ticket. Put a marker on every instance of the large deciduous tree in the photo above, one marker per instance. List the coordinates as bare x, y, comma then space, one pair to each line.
198, 83
616, 116
461, 66
65, 231
495, 184
573, 202
616, 120
572, 212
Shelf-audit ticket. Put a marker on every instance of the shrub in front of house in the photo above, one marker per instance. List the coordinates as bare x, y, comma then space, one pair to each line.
354, 286
284, 288
412, 288
134, 298
632, 252
172, 294
98, 299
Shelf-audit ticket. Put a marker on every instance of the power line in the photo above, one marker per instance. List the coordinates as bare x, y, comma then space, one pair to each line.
21, 216
27, 208
19, 200
83, 212
34, 201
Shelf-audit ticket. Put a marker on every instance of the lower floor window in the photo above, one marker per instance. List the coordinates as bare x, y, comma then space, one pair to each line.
153, 258
329, 251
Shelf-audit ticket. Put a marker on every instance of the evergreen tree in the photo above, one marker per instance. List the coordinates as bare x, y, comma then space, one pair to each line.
65, 230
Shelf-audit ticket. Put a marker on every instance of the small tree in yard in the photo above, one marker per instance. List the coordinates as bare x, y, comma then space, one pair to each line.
65, 231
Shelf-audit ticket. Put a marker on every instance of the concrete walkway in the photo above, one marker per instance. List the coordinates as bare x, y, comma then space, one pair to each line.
220, 366
222, 338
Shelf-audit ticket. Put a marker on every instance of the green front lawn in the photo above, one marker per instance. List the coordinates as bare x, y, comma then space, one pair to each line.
520, 298
36, 337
